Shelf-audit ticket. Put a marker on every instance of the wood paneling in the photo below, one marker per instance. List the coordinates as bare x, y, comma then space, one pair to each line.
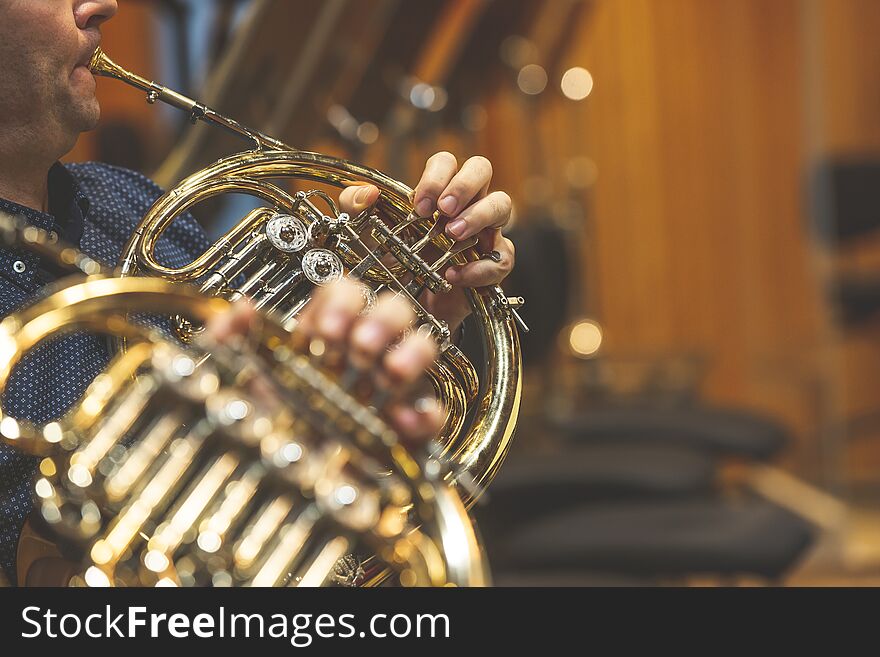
703, 126
695, 124
848, 74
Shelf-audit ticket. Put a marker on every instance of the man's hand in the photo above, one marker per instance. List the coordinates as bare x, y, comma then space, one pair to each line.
462, 194
362, 341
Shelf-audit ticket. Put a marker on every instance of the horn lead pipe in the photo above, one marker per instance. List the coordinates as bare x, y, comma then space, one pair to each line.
102, 65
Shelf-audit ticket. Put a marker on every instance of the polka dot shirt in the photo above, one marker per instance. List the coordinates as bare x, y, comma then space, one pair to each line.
95, 207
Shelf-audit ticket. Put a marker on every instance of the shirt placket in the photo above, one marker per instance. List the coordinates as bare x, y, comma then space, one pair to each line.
21, 266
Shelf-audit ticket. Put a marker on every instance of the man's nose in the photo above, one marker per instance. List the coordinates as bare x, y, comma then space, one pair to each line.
92, 13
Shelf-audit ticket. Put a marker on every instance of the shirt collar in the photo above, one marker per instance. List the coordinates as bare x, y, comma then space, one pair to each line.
68, 207
67, 204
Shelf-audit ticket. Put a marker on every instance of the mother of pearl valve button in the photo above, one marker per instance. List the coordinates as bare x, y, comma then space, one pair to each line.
286, 233
321, 266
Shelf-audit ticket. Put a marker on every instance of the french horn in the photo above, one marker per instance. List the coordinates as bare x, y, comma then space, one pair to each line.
171, 472
278, 254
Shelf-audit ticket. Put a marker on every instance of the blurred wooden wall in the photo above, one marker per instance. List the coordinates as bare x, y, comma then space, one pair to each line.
846, 85
697, 128
704, 122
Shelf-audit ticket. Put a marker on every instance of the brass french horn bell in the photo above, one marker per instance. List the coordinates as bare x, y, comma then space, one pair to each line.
278, 254
171, 471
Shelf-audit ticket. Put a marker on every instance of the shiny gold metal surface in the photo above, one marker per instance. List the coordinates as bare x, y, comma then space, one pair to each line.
277, 254
175, 469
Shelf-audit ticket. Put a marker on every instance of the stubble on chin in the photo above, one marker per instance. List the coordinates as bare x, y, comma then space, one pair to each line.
73, 118
84, 103
80, 112
89, 116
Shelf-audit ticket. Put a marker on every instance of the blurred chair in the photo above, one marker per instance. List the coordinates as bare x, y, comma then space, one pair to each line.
845, 199
845, 202
634, 494
856, 297
529, 486
659, 540
656, 400
621, 514
719, 431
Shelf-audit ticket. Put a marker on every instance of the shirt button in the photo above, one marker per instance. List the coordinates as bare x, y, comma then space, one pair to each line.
53, 237
19, 266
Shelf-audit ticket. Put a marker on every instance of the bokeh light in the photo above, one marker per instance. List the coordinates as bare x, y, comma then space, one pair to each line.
577, 83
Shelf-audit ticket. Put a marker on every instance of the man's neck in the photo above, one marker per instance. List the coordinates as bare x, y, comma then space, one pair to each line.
27, 186
26, 155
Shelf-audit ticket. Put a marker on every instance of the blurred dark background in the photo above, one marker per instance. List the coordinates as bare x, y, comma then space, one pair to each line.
697, 191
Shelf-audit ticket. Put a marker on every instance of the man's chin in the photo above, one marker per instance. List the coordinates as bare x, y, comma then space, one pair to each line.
91, 122
86, 115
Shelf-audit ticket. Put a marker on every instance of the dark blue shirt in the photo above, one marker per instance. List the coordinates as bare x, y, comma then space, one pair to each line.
95, 207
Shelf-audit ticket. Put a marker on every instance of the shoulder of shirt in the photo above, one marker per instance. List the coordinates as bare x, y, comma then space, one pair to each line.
109, 186
98, 172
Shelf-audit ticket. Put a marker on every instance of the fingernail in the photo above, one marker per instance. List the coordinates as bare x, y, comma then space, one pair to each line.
332, 323
369, 336
448, 204
361, 197
423, 209
457, 228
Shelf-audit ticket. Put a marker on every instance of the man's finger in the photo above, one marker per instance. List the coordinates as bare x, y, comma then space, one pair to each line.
236, 322
470, 183
417, 424
486, 271
374, 332
409, 361
493, 211
357, 198
339, 310
440, 169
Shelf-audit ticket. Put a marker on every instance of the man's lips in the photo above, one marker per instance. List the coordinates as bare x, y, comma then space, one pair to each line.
86, 58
